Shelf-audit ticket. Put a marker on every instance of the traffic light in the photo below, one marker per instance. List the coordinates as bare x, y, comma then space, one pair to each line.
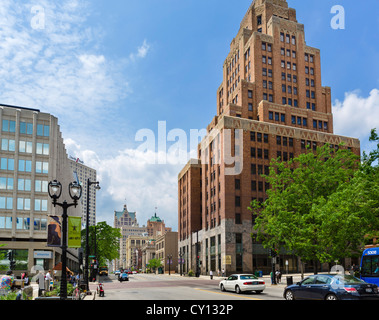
10, 255
273, 253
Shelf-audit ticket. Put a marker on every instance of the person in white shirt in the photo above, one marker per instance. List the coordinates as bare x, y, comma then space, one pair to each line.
48, 279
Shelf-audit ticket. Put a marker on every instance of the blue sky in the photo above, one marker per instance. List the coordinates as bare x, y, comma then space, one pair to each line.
107, 69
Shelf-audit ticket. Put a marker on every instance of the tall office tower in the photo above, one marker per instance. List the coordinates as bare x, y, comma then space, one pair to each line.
83, 173
126, 221
270, 104
32, 154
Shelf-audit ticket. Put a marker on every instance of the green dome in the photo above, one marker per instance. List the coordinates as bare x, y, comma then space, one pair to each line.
155, 218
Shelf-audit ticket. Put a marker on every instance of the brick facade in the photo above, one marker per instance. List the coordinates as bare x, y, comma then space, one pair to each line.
272, 98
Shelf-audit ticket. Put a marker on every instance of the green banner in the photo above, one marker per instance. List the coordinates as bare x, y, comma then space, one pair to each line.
74, 230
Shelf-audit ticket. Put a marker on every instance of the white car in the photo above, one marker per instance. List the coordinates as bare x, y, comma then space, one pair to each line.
241, 283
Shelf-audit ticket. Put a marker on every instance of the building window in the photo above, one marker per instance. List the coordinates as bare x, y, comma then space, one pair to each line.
43, 131
8, 145
9, 126
6, 183
259, 20
6, 203
7, 164
238, 201
24, 165
250, 94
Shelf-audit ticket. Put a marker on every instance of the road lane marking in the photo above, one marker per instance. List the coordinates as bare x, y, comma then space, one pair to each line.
228, 294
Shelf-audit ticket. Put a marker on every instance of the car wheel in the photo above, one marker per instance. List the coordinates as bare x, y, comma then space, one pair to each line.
222, 288
331, 296
289, 295
258, 291
238, 290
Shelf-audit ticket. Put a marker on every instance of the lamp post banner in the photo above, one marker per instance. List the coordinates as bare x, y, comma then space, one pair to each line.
54, 232
74, 232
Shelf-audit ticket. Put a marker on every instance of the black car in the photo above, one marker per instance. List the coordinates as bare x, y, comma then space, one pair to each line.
331, 287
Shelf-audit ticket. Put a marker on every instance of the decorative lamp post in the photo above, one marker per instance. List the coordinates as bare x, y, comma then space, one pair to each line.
97, 187
75, 192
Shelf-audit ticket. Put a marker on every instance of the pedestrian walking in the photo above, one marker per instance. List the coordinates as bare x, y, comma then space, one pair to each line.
41, 282
48, 280
211, 274
278, 275
272, 275
223, 272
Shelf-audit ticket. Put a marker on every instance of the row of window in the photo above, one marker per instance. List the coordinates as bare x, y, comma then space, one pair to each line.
287, 38
23, 223
24, 165
23, 184
25, 146
25, 128
23, 204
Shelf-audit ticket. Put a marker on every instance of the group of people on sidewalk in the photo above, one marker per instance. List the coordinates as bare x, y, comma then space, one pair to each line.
45, 281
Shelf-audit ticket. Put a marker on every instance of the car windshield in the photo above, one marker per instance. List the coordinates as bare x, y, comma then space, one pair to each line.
247, 276
347, 279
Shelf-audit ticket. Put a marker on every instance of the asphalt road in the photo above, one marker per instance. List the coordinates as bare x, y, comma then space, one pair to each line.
165, 287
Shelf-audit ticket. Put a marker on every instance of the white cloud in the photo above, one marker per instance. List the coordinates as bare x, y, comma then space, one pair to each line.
356, 115
142, 52
57, 68
132, 177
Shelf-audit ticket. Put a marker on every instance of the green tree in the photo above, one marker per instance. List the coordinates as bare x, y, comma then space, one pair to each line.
154, 263
356, 204
290, 217
106, 239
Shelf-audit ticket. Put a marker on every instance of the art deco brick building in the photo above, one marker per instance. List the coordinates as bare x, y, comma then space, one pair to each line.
271, 103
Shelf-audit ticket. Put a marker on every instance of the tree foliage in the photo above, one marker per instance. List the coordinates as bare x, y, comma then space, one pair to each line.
299, 213
154, 263
106, 239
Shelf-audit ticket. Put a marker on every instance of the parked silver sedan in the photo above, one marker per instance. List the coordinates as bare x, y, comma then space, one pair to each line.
242, 283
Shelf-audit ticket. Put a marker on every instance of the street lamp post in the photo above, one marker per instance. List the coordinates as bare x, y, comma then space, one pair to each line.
181, 261
169, 257
55, 191
97, 187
